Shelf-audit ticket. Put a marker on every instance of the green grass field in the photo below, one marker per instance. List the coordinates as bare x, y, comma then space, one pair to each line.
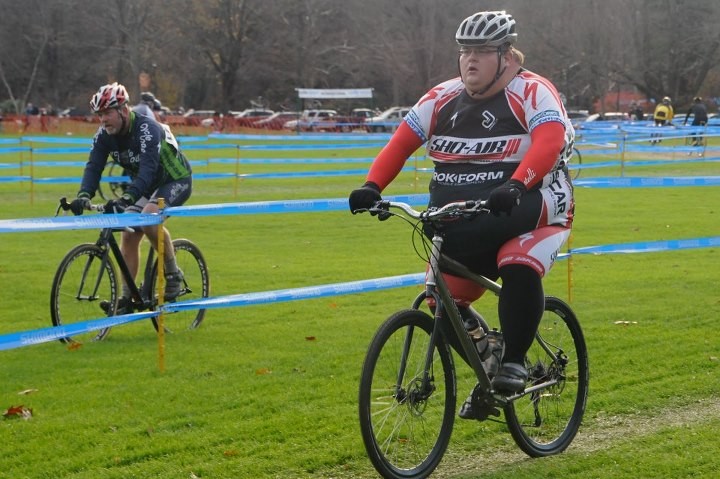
271, 391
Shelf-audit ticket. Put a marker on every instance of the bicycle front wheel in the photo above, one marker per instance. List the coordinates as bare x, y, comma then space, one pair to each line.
196, 283
545, 422
85, 279
407, 404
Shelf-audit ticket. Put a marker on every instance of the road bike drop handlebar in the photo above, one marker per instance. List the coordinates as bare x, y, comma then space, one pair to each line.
65, 206
456, 209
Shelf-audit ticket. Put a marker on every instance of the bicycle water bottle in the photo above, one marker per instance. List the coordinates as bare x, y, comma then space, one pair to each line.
489, 345
492, 356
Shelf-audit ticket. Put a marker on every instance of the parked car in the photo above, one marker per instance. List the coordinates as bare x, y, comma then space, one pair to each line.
252, 113
309, 119
277, 120
250, 116
388, 120
195, 117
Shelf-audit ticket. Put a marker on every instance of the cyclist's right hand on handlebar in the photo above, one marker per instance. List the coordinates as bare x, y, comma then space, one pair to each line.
362, 199
80, 204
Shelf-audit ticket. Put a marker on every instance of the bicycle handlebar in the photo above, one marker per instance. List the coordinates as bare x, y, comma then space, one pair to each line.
455, 209
65, 206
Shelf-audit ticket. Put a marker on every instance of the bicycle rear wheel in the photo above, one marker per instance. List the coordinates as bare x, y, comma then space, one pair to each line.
577, 161
405, 425
545, 422
83, 280
117, 188
196, 284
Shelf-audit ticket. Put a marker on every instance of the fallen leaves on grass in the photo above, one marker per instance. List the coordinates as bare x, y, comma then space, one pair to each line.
263, 371
18, 412
27, 391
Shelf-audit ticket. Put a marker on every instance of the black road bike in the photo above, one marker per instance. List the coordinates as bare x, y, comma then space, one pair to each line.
87, 286
407, 397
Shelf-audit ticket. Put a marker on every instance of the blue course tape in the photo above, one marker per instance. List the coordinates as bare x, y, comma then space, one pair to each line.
289, 206
49, 151
14, 149
302, 137
58, 139
647, 181
288, 161
306, 174
246, 299
323, 146
54, 163
44, 335
12, 179
649, 246
78, 222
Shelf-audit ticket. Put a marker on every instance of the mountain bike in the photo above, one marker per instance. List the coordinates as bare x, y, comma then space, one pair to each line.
407, 394
87, 284
115, 186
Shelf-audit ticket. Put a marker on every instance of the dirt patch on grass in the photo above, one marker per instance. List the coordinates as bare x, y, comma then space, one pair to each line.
595, 435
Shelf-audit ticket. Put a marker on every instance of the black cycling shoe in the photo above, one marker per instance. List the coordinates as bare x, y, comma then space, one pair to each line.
511, 378
477, 408
174, 285
124, 306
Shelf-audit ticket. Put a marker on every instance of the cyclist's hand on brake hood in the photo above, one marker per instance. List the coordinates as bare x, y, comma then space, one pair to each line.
80, 204
364, 198
505, 197
118, 205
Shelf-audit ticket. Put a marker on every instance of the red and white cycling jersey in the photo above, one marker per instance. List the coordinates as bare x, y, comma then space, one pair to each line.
521, 133
458, 128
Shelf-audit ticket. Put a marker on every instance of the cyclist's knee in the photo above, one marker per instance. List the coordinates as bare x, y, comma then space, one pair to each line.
150, 208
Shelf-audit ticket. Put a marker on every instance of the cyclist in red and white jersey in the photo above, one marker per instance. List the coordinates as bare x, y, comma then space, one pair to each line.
497, 132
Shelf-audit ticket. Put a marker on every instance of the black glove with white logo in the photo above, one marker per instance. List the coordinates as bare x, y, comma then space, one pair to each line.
363, 198
505, 197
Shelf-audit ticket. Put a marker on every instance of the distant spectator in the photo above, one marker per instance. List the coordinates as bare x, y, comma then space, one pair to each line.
663, 115
147, 105
218, 122
700, 117
664, 112
636, 112
30, 110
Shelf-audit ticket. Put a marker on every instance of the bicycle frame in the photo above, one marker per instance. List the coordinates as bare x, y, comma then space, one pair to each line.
437, 288
141, 299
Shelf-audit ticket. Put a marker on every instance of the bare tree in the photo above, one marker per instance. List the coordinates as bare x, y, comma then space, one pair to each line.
222, 53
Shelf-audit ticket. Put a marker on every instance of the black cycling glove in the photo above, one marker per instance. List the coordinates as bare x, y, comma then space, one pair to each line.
364, 198
505, 197
118, 205
80, 204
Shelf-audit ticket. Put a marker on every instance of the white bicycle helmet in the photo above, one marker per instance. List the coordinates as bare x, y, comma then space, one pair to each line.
492, 29
113, 95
